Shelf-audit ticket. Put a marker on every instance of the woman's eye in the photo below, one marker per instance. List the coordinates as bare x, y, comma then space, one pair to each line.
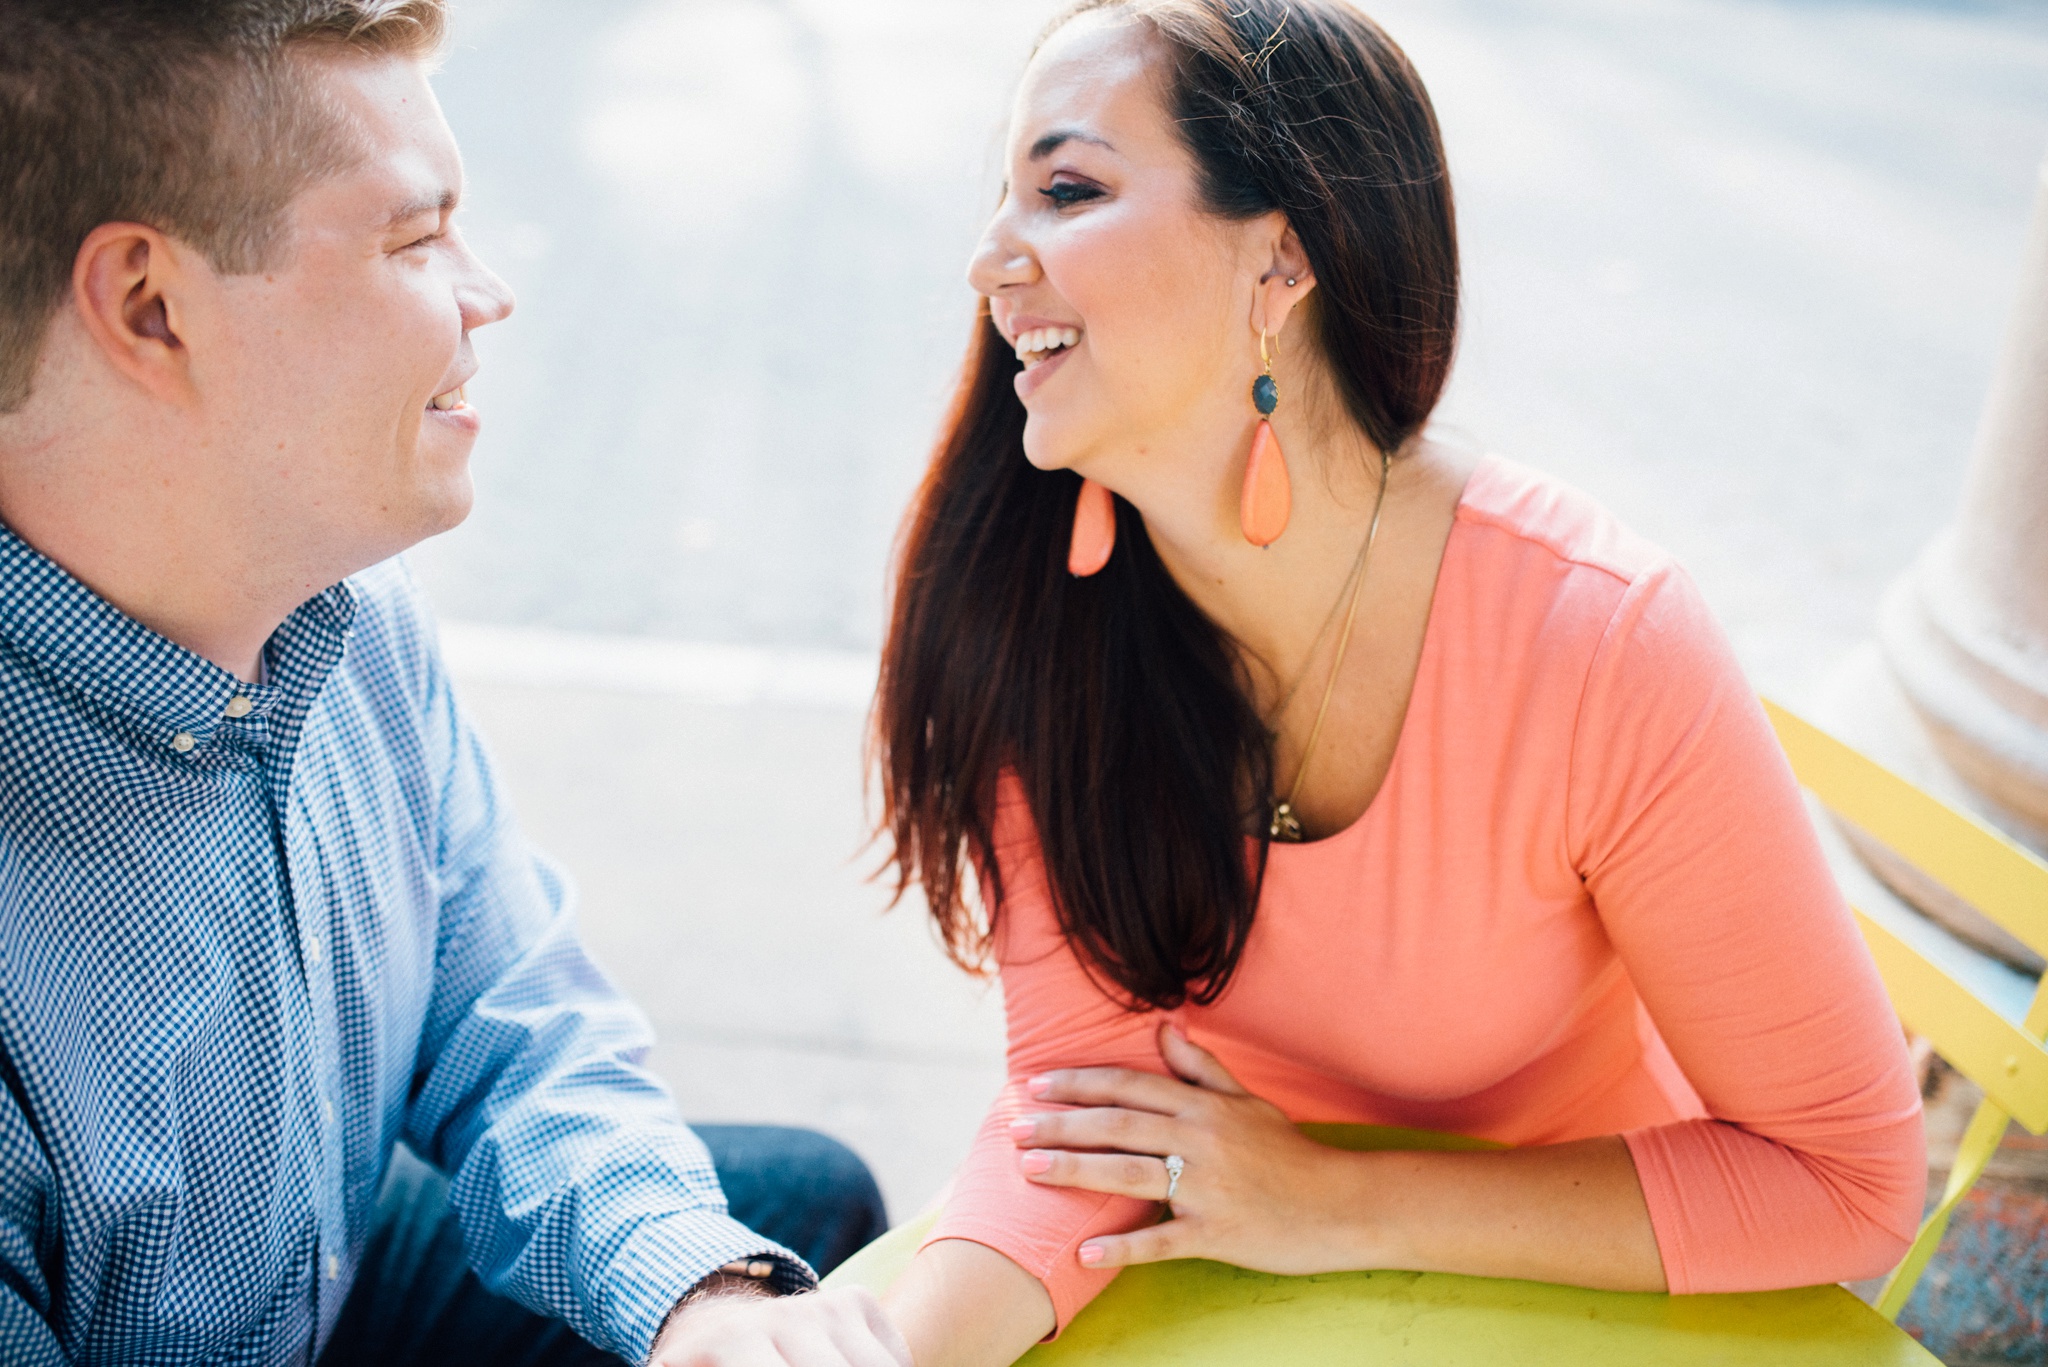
1064, 193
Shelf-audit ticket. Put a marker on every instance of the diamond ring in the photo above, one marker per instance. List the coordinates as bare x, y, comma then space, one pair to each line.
1174, 1164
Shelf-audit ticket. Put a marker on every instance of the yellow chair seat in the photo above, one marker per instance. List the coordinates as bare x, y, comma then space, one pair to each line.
1194, 1314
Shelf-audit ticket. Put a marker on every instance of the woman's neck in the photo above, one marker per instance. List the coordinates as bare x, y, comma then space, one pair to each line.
1273, 601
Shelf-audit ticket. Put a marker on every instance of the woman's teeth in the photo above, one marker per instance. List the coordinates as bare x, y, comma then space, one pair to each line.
454, 398
1039, 343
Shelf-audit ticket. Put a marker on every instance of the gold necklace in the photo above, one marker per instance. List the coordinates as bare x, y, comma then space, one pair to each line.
1285, 825
1308, 659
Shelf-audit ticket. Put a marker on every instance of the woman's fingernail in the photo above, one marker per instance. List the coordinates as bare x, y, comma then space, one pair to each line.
1091, 1254
1021, 1130
1039, 1085
1036, 1162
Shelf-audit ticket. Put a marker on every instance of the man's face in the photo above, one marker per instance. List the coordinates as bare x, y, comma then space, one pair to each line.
338, 378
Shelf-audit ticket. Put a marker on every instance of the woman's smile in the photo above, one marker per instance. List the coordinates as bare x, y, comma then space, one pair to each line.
1042, 347
1037, 344
1040, 366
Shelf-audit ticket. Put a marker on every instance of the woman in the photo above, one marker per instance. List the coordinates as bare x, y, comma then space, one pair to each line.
1310, 770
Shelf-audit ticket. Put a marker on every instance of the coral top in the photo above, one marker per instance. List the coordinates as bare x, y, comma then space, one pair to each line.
1586, 901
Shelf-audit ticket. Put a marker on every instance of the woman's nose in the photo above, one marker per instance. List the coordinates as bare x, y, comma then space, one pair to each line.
1000, 259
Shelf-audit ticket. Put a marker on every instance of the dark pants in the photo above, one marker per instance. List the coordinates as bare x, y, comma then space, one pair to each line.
416, 1301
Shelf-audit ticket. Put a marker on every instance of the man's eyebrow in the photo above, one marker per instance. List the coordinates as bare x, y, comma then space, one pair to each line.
1053, 141
436, 204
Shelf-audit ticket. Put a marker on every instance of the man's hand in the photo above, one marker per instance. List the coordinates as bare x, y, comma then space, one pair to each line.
744, 1328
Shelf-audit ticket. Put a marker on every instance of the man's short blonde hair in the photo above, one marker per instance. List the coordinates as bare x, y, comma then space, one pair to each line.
191, 117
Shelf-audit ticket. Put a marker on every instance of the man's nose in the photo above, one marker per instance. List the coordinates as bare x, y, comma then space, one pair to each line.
485, 297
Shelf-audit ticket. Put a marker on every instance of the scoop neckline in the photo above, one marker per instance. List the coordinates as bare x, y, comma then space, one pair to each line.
1423, 664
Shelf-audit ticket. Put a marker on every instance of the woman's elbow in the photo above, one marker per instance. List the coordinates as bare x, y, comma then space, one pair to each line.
1880, 1249
1884, 1223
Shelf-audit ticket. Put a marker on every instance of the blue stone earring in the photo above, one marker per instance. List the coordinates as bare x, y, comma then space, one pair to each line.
1267, 499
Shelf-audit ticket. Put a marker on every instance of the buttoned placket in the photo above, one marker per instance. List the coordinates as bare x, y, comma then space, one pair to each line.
307, 895
308, 907
240, 738
245, 729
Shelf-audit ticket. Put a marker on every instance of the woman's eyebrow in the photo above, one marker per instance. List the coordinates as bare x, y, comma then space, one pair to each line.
1052, 142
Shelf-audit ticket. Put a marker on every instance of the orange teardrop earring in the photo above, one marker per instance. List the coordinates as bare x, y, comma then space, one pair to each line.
1094, 530
1263, 507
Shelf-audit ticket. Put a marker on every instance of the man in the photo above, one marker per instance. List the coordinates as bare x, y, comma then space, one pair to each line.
263, 915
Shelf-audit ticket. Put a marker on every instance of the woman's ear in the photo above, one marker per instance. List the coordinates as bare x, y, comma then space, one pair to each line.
1285, 281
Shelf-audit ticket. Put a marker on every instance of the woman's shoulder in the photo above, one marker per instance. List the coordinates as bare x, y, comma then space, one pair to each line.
1541, 572
1529, 512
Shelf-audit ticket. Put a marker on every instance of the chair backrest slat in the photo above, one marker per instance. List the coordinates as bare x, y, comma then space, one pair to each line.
1970, 859
2006, 1060
1952, 994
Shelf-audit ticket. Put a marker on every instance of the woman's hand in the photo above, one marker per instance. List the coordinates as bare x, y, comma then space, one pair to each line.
1253, 1191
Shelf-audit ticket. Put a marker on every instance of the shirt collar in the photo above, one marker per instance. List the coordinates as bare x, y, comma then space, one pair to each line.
167, 696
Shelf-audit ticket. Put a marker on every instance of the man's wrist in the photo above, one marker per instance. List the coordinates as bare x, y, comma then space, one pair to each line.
747, 1277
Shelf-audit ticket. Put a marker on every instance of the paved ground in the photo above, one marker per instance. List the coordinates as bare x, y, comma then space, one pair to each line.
715, 846
1738, 268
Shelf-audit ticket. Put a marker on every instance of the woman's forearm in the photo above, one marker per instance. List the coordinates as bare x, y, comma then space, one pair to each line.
1253, 1190
962, 1304
1571, 1213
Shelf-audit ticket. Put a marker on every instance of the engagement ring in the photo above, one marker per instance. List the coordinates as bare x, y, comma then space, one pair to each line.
1174, 1164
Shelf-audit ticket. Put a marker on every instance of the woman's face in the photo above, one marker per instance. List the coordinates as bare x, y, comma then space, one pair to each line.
1132, 307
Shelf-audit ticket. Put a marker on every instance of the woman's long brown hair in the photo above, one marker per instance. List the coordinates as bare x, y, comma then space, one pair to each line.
1121, 708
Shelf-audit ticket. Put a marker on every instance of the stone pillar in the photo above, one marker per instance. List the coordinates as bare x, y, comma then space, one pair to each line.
1966, 632
1954, 696
1955, 693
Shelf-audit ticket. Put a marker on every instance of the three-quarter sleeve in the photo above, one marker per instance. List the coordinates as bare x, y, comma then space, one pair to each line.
1685, 821
1058, 1017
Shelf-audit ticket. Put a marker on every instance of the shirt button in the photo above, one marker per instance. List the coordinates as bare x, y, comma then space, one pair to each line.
240, 707
182, 742
333, 1268
313, 948
327, 1109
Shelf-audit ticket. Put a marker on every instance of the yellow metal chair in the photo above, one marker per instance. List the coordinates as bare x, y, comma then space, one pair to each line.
1985, 1019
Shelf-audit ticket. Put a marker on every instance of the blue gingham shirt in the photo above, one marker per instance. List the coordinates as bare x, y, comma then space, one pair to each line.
253, 935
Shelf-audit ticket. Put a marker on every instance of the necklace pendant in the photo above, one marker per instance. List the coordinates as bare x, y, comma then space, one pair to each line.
1286, 827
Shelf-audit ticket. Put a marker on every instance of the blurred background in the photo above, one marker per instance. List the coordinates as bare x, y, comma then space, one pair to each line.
1739, 268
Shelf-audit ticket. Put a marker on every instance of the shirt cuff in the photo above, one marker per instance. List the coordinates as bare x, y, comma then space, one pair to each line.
664, 1258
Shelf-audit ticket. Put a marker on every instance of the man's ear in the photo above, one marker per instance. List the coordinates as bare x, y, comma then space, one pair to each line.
127, 283
1284, 283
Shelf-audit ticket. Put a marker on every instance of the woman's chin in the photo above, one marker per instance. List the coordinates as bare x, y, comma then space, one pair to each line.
1047, 447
